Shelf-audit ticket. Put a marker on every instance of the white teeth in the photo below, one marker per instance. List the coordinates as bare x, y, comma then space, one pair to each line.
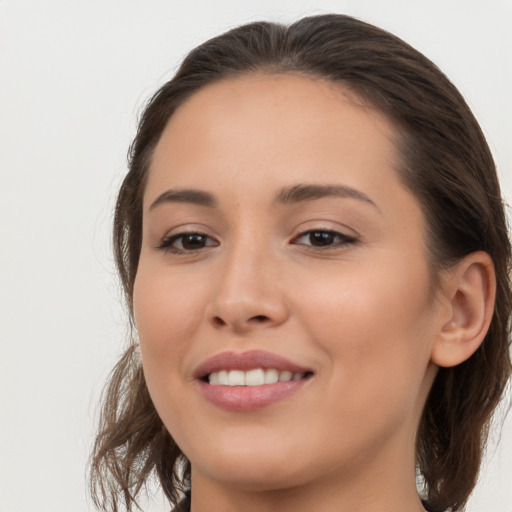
271, 376
256, 377
285, 376
236, 378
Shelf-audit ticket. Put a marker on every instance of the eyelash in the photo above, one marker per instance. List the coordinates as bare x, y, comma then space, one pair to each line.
167, 243
326, 235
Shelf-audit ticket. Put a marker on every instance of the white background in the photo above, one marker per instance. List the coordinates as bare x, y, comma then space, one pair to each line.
73, 76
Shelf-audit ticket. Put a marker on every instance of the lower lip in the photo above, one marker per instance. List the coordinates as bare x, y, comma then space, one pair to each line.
249, 398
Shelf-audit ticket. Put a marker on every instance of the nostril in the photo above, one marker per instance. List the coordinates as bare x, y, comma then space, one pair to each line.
218, 321
241, 324
260, 318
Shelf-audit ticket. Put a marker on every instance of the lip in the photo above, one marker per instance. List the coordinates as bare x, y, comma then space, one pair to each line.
248, 398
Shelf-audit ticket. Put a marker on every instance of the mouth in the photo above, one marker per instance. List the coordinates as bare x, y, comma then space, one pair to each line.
250, 380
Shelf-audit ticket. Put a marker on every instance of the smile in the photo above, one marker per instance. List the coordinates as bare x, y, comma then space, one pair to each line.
250, 380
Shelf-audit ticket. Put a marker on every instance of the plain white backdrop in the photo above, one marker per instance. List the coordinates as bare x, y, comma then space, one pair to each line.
73, 76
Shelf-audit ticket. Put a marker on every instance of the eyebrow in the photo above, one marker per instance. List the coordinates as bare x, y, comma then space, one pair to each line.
301, 193
291, 195
193, 196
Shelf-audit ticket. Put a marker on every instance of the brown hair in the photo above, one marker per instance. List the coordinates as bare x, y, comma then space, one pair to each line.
448, 166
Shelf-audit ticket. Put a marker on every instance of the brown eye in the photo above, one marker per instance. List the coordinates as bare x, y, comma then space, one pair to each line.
186, 242
323, 238
193, 241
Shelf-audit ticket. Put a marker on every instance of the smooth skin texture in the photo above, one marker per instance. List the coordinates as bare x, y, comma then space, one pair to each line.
337, 282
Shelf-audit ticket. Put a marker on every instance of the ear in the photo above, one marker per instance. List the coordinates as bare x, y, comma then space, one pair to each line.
470, 290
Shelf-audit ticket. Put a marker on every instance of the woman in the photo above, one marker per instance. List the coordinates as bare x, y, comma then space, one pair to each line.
314, 253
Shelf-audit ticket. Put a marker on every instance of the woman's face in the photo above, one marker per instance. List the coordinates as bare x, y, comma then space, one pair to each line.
278, 244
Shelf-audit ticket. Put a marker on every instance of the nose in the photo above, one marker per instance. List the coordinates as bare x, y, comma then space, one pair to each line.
249, 291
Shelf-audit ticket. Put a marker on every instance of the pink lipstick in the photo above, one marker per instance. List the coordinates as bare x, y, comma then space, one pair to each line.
250, 380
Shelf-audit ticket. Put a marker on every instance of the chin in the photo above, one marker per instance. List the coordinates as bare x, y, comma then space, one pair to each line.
251, 467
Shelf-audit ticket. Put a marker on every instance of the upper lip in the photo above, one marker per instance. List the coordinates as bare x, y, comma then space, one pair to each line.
245, 361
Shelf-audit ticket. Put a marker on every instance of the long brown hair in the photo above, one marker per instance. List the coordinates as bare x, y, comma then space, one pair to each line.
447, 165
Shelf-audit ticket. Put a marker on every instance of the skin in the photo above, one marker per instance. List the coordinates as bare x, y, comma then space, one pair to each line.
359, 312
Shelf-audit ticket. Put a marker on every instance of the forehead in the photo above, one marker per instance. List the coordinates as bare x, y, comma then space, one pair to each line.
303, 105
273, 125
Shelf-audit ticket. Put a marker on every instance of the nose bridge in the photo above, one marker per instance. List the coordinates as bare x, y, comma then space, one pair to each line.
248, 291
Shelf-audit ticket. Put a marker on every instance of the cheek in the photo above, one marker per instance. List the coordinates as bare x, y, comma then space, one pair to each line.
358, 298
167, 313
376, 326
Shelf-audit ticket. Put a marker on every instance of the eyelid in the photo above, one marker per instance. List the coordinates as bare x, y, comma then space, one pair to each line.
327, 225
185, 229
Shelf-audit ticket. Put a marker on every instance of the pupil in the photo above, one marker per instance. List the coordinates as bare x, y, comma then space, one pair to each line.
321, 238
194, 241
